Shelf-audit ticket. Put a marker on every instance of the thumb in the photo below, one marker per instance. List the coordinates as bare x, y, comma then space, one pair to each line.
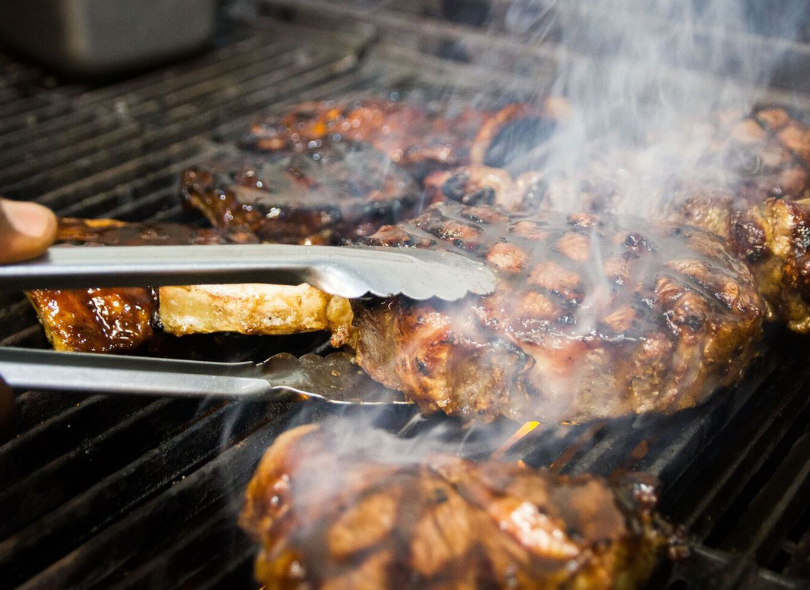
26, 230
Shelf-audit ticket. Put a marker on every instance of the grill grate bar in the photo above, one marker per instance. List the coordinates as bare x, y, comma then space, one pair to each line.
232, 570
183, 554
702, 494
119, 180
609, 452
147, 175
799, 562
213, 482
768, 516
68, 153
132, 169
230, 82
162, 200
32, 336
24, 156
47, 441
209, 66
32, 408
84, 515
16, 317
52, 119
91, 461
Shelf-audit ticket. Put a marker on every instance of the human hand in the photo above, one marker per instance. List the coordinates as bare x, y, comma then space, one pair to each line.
26, 230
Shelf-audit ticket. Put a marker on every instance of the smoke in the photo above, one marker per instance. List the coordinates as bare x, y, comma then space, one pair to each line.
649, 77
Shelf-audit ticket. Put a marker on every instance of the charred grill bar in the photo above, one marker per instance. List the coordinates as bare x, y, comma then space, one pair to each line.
145, 493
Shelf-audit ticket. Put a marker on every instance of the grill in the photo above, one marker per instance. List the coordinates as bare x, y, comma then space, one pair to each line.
102, 491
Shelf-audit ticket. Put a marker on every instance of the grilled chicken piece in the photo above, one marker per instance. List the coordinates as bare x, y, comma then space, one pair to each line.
419, 137
592, 317
329, 513
317, 197
124, 319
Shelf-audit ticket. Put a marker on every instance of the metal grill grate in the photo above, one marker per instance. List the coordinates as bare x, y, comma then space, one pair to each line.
138, 493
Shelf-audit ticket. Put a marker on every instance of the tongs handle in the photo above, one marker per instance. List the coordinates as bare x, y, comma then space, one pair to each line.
47, 370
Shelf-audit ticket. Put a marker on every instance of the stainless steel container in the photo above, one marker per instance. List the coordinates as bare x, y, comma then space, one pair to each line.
102, 37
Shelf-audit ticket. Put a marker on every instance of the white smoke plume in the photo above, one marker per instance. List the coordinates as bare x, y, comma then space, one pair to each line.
654, 75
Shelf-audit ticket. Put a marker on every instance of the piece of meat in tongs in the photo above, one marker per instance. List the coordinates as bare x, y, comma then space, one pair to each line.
125, 319
344, 272
332, 511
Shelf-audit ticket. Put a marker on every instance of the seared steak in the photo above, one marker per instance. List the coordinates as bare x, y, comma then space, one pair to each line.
315, 197
592, 317
416, 135
332, 514
743, 178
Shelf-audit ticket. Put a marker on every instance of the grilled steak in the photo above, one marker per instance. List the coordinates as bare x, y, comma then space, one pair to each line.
592, 317
750, 188
743, 178
332, 514
315, 197
417, 136
123, 319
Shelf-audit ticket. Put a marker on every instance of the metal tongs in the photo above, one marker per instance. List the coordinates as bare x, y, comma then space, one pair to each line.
346, 271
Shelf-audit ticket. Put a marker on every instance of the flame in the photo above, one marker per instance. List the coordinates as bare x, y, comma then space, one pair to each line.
512, 440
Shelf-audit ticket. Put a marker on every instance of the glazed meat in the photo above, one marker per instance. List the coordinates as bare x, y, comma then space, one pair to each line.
107, 320
331, 514
419, 136
319, 196
592, 317
743, 178
751, 188
125, 319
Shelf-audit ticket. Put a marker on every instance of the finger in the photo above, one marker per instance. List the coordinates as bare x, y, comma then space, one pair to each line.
26, 230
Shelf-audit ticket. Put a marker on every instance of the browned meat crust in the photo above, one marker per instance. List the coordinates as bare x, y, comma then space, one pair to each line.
592, 317
417, 136
334, 515
751, 189
107, 320
121, 320
317, 197
743, 178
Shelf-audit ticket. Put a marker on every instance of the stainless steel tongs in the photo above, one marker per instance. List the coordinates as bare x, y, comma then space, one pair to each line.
345, 271
334, 378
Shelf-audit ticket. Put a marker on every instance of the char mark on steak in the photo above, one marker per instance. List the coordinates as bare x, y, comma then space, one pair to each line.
592, 317
331, 514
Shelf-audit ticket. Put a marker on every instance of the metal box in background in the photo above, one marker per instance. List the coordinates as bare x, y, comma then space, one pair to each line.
105, 37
